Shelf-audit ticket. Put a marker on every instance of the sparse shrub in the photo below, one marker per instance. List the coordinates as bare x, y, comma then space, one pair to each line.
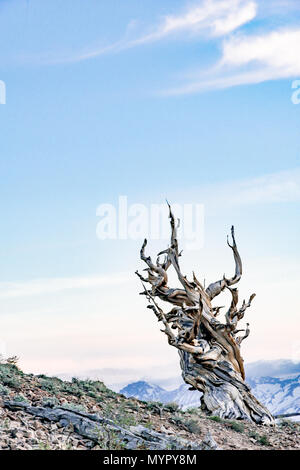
216, 418
71, 389
75, 407
154, 406
109, 410
92, 388
133, 406
263, 440
126, 419
5, 424
172, 407
178, 420
144, 402
4, 390
238, 427
193, 411
48, 385
123, 418
93, 385
192, 426
20, 398
287, 423
148, 425
13, 382
51, 402
109, 439
9, 376
254, 435
44, 446
110, 393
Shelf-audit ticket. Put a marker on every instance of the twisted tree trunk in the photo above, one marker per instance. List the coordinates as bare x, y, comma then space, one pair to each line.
209, 350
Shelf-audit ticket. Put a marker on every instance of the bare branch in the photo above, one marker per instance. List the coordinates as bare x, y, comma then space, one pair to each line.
239, 339
241, 312
216, 288
238, 262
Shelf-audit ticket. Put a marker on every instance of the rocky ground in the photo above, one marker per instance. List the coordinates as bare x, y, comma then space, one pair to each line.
39, 412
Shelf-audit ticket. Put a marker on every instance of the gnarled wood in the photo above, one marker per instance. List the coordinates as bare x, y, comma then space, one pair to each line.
209, 350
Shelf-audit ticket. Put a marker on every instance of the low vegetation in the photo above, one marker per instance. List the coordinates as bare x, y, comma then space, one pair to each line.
20, 430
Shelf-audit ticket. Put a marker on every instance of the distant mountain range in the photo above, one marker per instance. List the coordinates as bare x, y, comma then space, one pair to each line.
281, 395
150, 392
274, 383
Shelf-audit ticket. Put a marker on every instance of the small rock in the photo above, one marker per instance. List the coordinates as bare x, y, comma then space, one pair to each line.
166, 431
209, 443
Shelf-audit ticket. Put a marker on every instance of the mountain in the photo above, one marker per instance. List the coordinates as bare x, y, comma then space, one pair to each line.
145, 391
149, 392
279, 389
185, 398
281, 395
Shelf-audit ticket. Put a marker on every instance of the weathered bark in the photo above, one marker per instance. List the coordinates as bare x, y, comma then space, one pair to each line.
209, 350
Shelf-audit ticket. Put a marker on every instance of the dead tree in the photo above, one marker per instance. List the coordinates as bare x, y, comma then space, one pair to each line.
209, 350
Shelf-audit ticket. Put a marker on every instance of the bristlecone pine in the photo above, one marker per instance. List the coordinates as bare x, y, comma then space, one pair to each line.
209, 350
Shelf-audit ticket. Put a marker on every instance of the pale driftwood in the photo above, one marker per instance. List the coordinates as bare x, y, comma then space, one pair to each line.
209, 350
101, 430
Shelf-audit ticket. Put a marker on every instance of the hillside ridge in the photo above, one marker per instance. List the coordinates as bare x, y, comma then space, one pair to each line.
40, 412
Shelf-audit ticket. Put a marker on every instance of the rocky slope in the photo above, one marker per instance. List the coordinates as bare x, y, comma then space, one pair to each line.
39, 412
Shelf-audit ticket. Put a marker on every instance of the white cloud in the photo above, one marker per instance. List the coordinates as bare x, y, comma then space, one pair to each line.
246, 59
46, 286
235, 18
210, 18
250, 59
215, 17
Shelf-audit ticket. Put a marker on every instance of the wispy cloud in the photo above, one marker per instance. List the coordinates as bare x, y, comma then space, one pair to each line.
216, 18
245, 58
249, 59
211, 18
272, 188
283, 186
45, 286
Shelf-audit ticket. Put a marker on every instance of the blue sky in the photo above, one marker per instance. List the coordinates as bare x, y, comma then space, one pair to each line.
185, 100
